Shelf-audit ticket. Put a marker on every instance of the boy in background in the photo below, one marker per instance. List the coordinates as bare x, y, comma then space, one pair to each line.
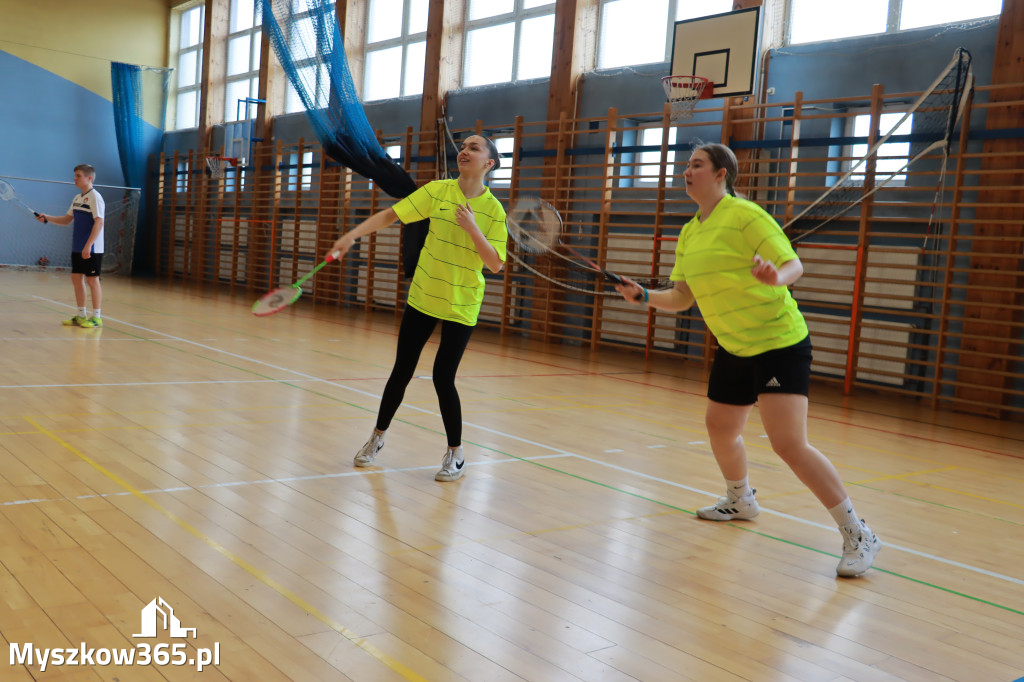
86, 215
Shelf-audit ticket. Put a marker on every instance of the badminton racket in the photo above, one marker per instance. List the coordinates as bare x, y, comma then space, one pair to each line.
7, 194
282, 297
536, 227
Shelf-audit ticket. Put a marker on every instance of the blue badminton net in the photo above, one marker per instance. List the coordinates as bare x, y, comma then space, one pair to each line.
307, 40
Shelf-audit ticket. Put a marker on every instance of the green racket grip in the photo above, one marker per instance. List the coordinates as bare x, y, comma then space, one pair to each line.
331, 257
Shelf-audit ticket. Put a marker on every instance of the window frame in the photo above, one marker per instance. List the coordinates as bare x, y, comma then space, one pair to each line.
643, 162
848, 153
177, 17
252, 75
403, 41
892, 24
517, 16
323, 80
296, 181
503, 176
670, 19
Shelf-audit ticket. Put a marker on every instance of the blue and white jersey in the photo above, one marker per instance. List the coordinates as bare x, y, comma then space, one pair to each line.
85, 209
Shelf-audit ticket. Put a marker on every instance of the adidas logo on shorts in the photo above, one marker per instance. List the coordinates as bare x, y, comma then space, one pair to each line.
773, 383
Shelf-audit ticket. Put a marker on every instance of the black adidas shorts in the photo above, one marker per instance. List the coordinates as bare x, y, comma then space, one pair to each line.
738, 381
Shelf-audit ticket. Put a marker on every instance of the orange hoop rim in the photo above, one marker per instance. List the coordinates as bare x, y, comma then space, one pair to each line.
218, 165
686, 86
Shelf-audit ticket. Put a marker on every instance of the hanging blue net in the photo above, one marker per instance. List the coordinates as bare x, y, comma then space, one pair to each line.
134, 87
307, 40
135, 139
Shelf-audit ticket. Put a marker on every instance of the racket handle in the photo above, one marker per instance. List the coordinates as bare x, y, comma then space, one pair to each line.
332, 256
40, 215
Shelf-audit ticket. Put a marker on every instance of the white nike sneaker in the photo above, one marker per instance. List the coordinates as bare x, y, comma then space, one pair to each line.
860, 545
368, 452
452, 465
727, 509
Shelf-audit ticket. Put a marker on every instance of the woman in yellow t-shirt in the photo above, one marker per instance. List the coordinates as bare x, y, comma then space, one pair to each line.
467, 232
735, 262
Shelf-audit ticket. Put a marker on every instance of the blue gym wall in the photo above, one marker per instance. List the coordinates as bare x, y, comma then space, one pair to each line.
52, 125
57, 111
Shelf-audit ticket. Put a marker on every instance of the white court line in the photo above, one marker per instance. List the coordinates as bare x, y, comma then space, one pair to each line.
264, 481
152, 383
558, 451
67, 339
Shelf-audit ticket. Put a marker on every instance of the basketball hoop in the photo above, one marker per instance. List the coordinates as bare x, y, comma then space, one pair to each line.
218, 165
683, 92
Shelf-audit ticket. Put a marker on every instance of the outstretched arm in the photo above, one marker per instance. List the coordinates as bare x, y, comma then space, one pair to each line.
377, 221
55, 219
679, 297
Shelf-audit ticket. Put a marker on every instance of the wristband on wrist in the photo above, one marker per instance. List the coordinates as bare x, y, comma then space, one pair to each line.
647, 295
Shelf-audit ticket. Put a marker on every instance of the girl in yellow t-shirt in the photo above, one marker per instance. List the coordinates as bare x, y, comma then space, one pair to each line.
467, 232
734, 261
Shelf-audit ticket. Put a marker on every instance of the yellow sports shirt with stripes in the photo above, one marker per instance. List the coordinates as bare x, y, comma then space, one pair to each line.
715, 256
449, 281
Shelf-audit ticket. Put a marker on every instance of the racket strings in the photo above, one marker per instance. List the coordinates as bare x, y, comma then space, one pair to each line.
574, 275
533, 227
579, 283
537, 229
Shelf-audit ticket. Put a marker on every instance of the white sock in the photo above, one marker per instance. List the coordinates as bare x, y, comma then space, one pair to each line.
82, 312
738, 489
96, 313
844, 514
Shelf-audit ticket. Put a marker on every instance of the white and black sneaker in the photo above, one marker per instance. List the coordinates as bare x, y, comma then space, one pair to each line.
860, 545
368, 452
729, 508
452, 465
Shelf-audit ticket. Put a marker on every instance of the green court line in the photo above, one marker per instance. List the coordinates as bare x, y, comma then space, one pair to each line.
576, 476
756, 532
940, 505
885, 570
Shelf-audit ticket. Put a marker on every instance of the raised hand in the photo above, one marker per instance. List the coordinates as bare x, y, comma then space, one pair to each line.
764, 271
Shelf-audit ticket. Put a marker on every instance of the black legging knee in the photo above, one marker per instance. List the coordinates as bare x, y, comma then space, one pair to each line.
413, 334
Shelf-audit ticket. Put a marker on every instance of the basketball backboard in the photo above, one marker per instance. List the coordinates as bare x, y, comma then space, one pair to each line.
723, 48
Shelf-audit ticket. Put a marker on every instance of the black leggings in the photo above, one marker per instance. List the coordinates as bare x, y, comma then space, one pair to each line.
412, 336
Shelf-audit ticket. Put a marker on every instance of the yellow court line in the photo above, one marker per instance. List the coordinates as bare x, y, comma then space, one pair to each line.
755, 444
954, 491
260, 575
909, 474
191, 425
669, 425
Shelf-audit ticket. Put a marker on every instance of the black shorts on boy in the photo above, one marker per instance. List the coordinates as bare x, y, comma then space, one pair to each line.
90, 267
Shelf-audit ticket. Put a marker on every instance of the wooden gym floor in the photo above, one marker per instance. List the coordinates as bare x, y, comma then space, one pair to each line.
191, 452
